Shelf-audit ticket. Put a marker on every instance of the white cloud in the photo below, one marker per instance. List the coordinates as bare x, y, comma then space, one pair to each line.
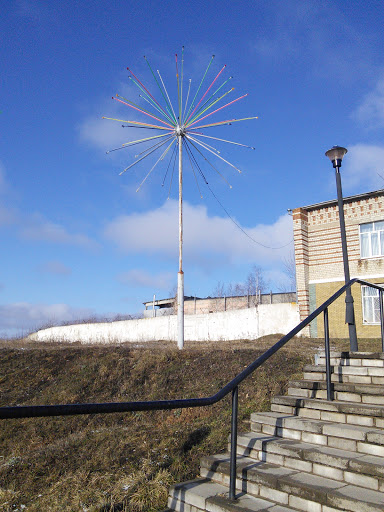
205, 237
107, 134
371, 110
139, 277
55, 267
364, 167
37, 228
25, 316
102, 133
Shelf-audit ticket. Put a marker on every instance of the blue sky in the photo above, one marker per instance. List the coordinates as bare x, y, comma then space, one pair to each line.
77, 239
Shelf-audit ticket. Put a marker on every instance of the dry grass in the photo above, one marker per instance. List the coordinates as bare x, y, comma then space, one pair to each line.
121, 462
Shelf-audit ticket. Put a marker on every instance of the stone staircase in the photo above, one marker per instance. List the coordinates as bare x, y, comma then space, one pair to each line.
308, 453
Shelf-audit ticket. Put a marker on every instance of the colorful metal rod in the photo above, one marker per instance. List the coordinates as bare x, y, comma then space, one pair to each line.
142, 158
202, 80
139, 123
147, 91
228, 121
213, 167
223, 140
142, 111
153, 167
207, 102
197, 116
194, 110
166, 92
218, 156
217, 110
158, 85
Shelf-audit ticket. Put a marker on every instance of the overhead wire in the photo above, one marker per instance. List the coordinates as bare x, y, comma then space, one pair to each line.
233, 220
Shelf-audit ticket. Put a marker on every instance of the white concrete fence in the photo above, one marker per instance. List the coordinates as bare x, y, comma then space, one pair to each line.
240, 324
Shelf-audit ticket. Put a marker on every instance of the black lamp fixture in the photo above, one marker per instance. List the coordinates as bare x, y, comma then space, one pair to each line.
336, 155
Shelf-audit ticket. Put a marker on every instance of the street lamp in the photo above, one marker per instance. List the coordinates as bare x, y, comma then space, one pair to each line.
336, 154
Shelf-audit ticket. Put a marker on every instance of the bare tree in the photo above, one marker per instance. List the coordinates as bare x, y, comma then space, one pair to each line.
255, 282
253, 286
173, 295
219, 290
290, 269
173, 292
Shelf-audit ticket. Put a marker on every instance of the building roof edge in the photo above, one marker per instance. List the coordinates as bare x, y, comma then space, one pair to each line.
348, 199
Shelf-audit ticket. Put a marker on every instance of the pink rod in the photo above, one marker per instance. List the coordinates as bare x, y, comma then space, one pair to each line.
194, 110
147, 90
227, 105
150, 115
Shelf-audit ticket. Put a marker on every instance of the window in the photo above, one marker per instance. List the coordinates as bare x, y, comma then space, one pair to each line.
371, 305
372, 239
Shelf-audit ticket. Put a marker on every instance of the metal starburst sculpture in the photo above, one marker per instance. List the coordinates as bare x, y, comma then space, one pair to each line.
184, 129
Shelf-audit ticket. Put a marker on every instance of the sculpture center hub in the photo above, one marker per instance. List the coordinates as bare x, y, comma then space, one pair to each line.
180, 130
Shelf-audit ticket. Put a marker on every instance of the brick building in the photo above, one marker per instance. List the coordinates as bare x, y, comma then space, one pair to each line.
319, 263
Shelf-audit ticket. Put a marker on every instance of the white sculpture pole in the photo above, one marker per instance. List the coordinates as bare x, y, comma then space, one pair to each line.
180, 275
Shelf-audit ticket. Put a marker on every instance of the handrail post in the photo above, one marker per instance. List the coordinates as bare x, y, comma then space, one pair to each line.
327, 355
232, 471
381, 319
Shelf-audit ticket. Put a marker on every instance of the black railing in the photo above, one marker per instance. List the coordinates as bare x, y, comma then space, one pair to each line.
34, 411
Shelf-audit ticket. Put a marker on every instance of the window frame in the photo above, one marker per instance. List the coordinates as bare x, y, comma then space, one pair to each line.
380, 240
374, 310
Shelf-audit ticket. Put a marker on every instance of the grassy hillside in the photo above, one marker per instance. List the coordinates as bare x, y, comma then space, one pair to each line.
121, 462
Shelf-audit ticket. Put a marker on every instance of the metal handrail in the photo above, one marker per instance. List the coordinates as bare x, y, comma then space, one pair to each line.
33, 411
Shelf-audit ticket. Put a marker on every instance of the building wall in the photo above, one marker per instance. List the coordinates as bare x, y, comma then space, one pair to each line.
300, 234
216, 304
336, 312
247, 323
319, 261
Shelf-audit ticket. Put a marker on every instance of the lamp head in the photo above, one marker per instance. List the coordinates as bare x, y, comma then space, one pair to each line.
336, 154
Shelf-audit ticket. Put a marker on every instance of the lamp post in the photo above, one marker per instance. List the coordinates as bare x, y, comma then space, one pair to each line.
336, 154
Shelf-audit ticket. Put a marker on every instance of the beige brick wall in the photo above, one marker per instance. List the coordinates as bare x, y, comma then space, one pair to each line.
319, 256
336, 312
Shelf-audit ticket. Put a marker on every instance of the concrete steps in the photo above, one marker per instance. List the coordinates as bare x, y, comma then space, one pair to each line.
293, 488
346, 374
307, 453
358, 393
340, 464
338, 412
203, 494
